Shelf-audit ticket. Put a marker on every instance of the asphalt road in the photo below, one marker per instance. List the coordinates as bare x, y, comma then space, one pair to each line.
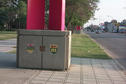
7, 45
7, 60
115, 43
10, 42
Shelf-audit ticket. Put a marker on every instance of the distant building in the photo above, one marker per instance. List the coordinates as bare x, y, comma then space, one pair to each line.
110, 27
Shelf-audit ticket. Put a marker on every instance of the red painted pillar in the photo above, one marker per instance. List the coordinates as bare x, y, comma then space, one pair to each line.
57, 15
78, 28
35, 14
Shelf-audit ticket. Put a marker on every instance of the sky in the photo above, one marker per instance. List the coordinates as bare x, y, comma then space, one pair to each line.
109, 10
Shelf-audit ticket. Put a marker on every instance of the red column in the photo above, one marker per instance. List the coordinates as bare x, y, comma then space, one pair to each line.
57, 15
35, 14
78, 27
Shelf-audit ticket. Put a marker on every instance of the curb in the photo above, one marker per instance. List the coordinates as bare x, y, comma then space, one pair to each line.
109, 53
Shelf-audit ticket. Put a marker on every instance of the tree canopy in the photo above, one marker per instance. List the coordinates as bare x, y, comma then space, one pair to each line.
13, 13
79, 12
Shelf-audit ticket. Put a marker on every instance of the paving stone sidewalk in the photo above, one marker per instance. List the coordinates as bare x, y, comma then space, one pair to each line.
83, 71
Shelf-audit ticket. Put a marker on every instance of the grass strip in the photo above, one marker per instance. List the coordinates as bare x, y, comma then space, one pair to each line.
4, 35
84, 47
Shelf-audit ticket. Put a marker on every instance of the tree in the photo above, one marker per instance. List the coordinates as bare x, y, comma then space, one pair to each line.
21, 14
46, 11
3, 18
3, 13
79, 12
123, 23
12, 14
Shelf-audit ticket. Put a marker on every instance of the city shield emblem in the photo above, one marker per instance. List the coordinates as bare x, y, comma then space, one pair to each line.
30, 48
53, 48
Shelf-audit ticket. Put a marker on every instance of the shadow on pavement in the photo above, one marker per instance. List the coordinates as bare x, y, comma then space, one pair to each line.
7, 60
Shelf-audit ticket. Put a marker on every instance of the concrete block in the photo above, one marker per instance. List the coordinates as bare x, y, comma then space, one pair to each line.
44, 49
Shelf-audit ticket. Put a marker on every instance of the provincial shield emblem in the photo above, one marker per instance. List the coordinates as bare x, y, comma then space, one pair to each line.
53, 48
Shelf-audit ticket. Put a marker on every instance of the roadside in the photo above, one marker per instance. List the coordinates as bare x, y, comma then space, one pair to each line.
4, 35
7, 41
83, 70
84, 47
7, 45
114, 46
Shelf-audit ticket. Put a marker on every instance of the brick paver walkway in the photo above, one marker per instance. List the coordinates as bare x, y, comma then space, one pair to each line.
83, 71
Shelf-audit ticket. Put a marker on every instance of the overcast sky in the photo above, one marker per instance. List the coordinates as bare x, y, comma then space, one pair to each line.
108, 10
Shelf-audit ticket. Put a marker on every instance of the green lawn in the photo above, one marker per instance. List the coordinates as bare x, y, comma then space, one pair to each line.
12, 52
7, 35
84, 47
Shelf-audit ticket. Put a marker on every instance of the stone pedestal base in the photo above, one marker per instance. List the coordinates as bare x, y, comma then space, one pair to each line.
44, 49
